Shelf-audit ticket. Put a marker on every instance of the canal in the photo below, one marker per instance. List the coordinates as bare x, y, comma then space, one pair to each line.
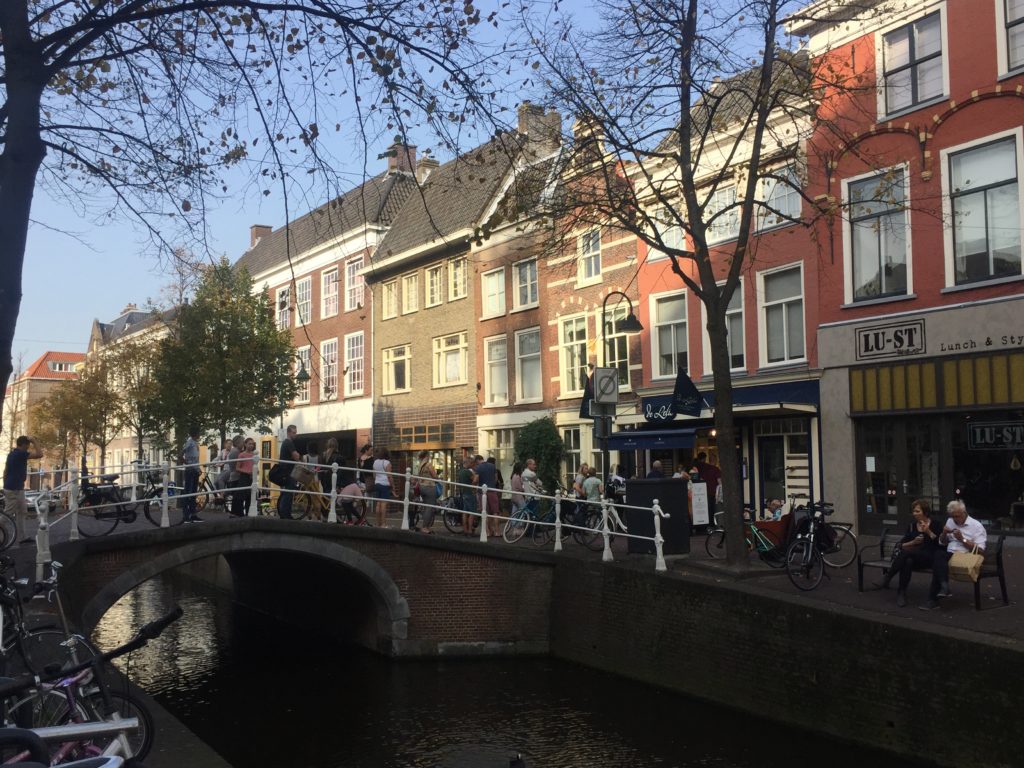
262, 694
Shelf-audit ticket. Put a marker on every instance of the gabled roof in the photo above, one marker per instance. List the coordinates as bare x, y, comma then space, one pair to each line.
376, 201
129, 322
40, 369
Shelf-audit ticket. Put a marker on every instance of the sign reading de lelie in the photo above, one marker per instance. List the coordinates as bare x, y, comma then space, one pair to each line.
995, 436
891, 340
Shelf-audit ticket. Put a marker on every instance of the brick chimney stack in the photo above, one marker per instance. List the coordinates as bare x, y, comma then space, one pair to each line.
401, 157
424, 168
256, 231
544, 130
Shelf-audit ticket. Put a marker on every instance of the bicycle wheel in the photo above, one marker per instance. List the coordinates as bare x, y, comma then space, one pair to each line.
42, 709
96, 521
593, 523
844, 547
452, 517
8, 530
804, 565
154, 512
714, 544
515, 526
301, 505
41, 647
140, 741
769, 550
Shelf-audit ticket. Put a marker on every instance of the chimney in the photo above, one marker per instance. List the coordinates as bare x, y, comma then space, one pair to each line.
424, 167
544, 131
128, 308
401, 157
257, 231
531, 117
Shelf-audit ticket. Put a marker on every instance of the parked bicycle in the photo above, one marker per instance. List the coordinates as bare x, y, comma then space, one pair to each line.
149, 497
102, 505
818, 543
764, 541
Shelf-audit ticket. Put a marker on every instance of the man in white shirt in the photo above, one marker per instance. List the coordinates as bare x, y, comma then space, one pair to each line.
962, 533
531, 484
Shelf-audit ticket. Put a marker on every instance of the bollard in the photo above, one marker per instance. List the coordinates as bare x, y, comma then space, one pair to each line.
135, 490
405, 499
165, 520
254, 490
332, 516
558, 520
659, 542
42, 536
73, 505
483, 514
607, 555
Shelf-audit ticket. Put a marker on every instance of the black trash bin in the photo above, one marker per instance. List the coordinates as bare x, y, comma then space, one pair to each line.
671, 495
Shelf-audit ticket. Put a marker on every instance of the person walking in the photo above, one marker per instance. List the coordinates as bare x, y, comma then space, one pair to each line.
190, 459
516, 484
427, 475
231, 469
383, 490
487, 475
466, 477
242, 498
290, 454
15, 475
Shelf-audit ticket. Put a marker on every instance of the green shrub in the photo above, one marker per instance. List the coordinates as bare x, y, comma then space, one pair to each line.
540, 440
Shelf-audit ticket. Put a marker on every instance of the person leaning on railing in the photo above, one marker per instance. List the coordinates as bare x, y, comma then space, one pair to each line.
428, 491
15, 475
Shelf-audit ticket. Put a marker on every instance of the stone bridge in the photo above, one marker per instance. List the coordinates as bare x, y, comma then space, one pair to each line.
396, 592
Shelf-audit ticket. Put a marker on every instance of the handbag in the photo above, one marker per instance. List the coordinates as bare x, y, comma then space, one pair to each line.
966, 566
278, 474
439, 489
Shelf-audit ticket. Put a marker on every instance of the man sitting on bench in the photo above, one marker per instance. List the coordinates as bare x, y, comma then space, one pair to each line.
962, 533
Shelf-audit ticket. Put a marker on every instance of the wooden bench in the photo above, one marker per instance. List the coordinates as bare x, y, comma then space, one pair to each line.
991, 568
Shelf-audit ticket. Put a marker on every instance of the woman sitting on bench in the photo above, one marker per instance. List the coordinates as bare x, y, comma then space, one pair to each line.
916, 549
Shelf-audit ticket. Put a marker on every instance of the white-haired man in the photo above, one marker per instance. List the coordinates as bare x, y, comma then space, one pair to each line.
962, 533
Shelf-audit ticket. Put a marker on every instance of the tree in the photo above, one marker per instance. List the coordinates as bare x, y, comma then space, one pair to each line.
82, 411
146, 109
676, 101
540, 440
225, 365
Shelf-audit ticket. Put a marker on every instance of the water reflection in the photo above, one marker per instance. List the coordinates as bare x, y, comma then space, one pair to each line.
265, 694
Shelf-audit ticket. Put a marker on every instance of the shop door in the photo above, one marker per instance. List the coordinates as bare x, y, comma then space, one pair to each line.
898, 463
772, 454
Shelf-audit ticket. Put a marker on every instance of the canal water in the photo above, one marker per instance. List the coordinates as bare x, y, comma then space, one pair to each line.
264, 694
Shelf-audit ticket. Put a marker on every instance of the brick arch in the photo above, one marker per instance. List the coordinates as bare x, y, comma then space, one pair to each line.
392, 608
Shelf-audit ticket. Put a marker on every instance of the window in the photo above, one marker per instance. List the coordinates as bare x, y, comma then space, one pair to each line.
573, 456
60, 367
528, 376
1014, 10
458, 279
396, 369
574, 354
353, 284
390, 307
450, 354
496, 357
722, 215
493, 287
435, 285
284, 308
670, 231
329, 369
303, 300
912, 58
354, 352
986, 211
669, 336
616, 350
878, 235
734, 329
526, 283
781, 198
590, 255
783, 315
329, 292
410, 295
302, 362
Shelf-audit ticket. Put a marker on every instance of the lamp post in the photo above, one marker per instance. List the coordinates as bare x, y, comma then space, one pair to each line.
629, 325
302, 377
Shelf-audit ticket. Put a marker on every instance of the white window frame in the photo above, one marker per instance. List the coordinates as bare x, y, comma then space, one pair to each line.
573, 452
767, 219
848, 296
606, 357
329, 369
283, 307
539, 354
727, 226
517, 284
389, 357
588, 257
489, 369
571, 388
1003, 41
302, 358
458, 278
434, 279
303, 287
410, 293
495, 308
439, 366
355, 284
762, 324
947, 202
653, 300
706, 342
355, 365
672, 234
910, 16
389, 299
329, 293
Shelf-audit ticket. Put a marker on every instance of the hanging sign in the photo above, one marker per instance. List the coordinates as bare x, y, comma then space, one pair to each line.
995, 436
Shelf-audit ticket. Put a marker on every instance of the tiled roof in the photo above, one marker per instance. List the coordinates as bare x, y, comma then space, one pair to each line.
376, 201
453, 198
40, 369
132, 322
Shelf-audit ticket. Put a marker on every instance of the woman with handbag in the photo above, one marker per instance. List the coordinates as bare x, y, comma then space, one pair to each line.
428, 491
915, 550
383, 490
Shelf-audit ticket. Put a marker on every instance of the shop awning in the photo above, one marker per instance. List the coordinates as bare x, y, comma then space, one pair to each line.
650, 439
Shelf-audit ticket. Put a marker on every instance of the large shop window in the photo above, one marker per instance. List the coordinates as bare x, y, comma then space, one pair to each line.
913, 63
878, 235
986, 211
783, 310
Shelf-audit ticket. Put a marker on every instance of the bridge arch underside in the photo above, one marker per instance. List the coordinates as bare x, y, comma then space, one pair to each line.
316, 584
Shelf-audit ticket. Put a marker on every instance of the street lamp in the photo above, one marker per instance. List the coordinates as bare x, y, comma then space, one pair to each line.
302, 377
629, 325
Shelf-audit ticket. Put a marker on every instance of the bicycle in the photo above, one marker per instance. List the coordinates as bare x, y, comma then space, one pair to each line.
583, 523
806, 555
101, 506
764, 541
836, 541
150, 499
309, 500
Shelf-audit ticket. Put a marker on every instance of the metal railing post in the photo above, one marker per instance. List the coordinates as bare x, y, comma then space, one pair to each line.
42, 536
558, 520
332, 516
405, 499
659, 541
607, 555
135, 481
165, 519
483, 514
73, 505
254, 488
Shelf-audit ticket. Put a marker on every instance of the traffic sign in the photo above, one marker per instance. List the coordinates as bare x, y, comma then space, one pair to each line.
606, 385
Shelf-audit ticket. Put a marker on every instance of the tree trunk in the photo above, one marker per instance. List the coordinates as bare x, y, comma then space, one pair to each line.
22, 155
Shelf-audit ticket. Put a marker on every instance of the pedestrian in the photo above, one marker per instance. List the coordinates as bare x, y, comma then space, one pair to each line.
190, 458
329, 456
231, 469
383, 490
487, 475
466, 478
15, 475
593, 489
242, 498
655, 473
710, 474
427, 475
290, 455
366, 459
351, 494
516, 484
220, 465
499, 481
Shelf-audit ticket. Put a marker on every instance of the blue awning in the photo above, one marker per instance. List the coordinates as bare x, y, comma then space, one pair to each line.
650, 439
